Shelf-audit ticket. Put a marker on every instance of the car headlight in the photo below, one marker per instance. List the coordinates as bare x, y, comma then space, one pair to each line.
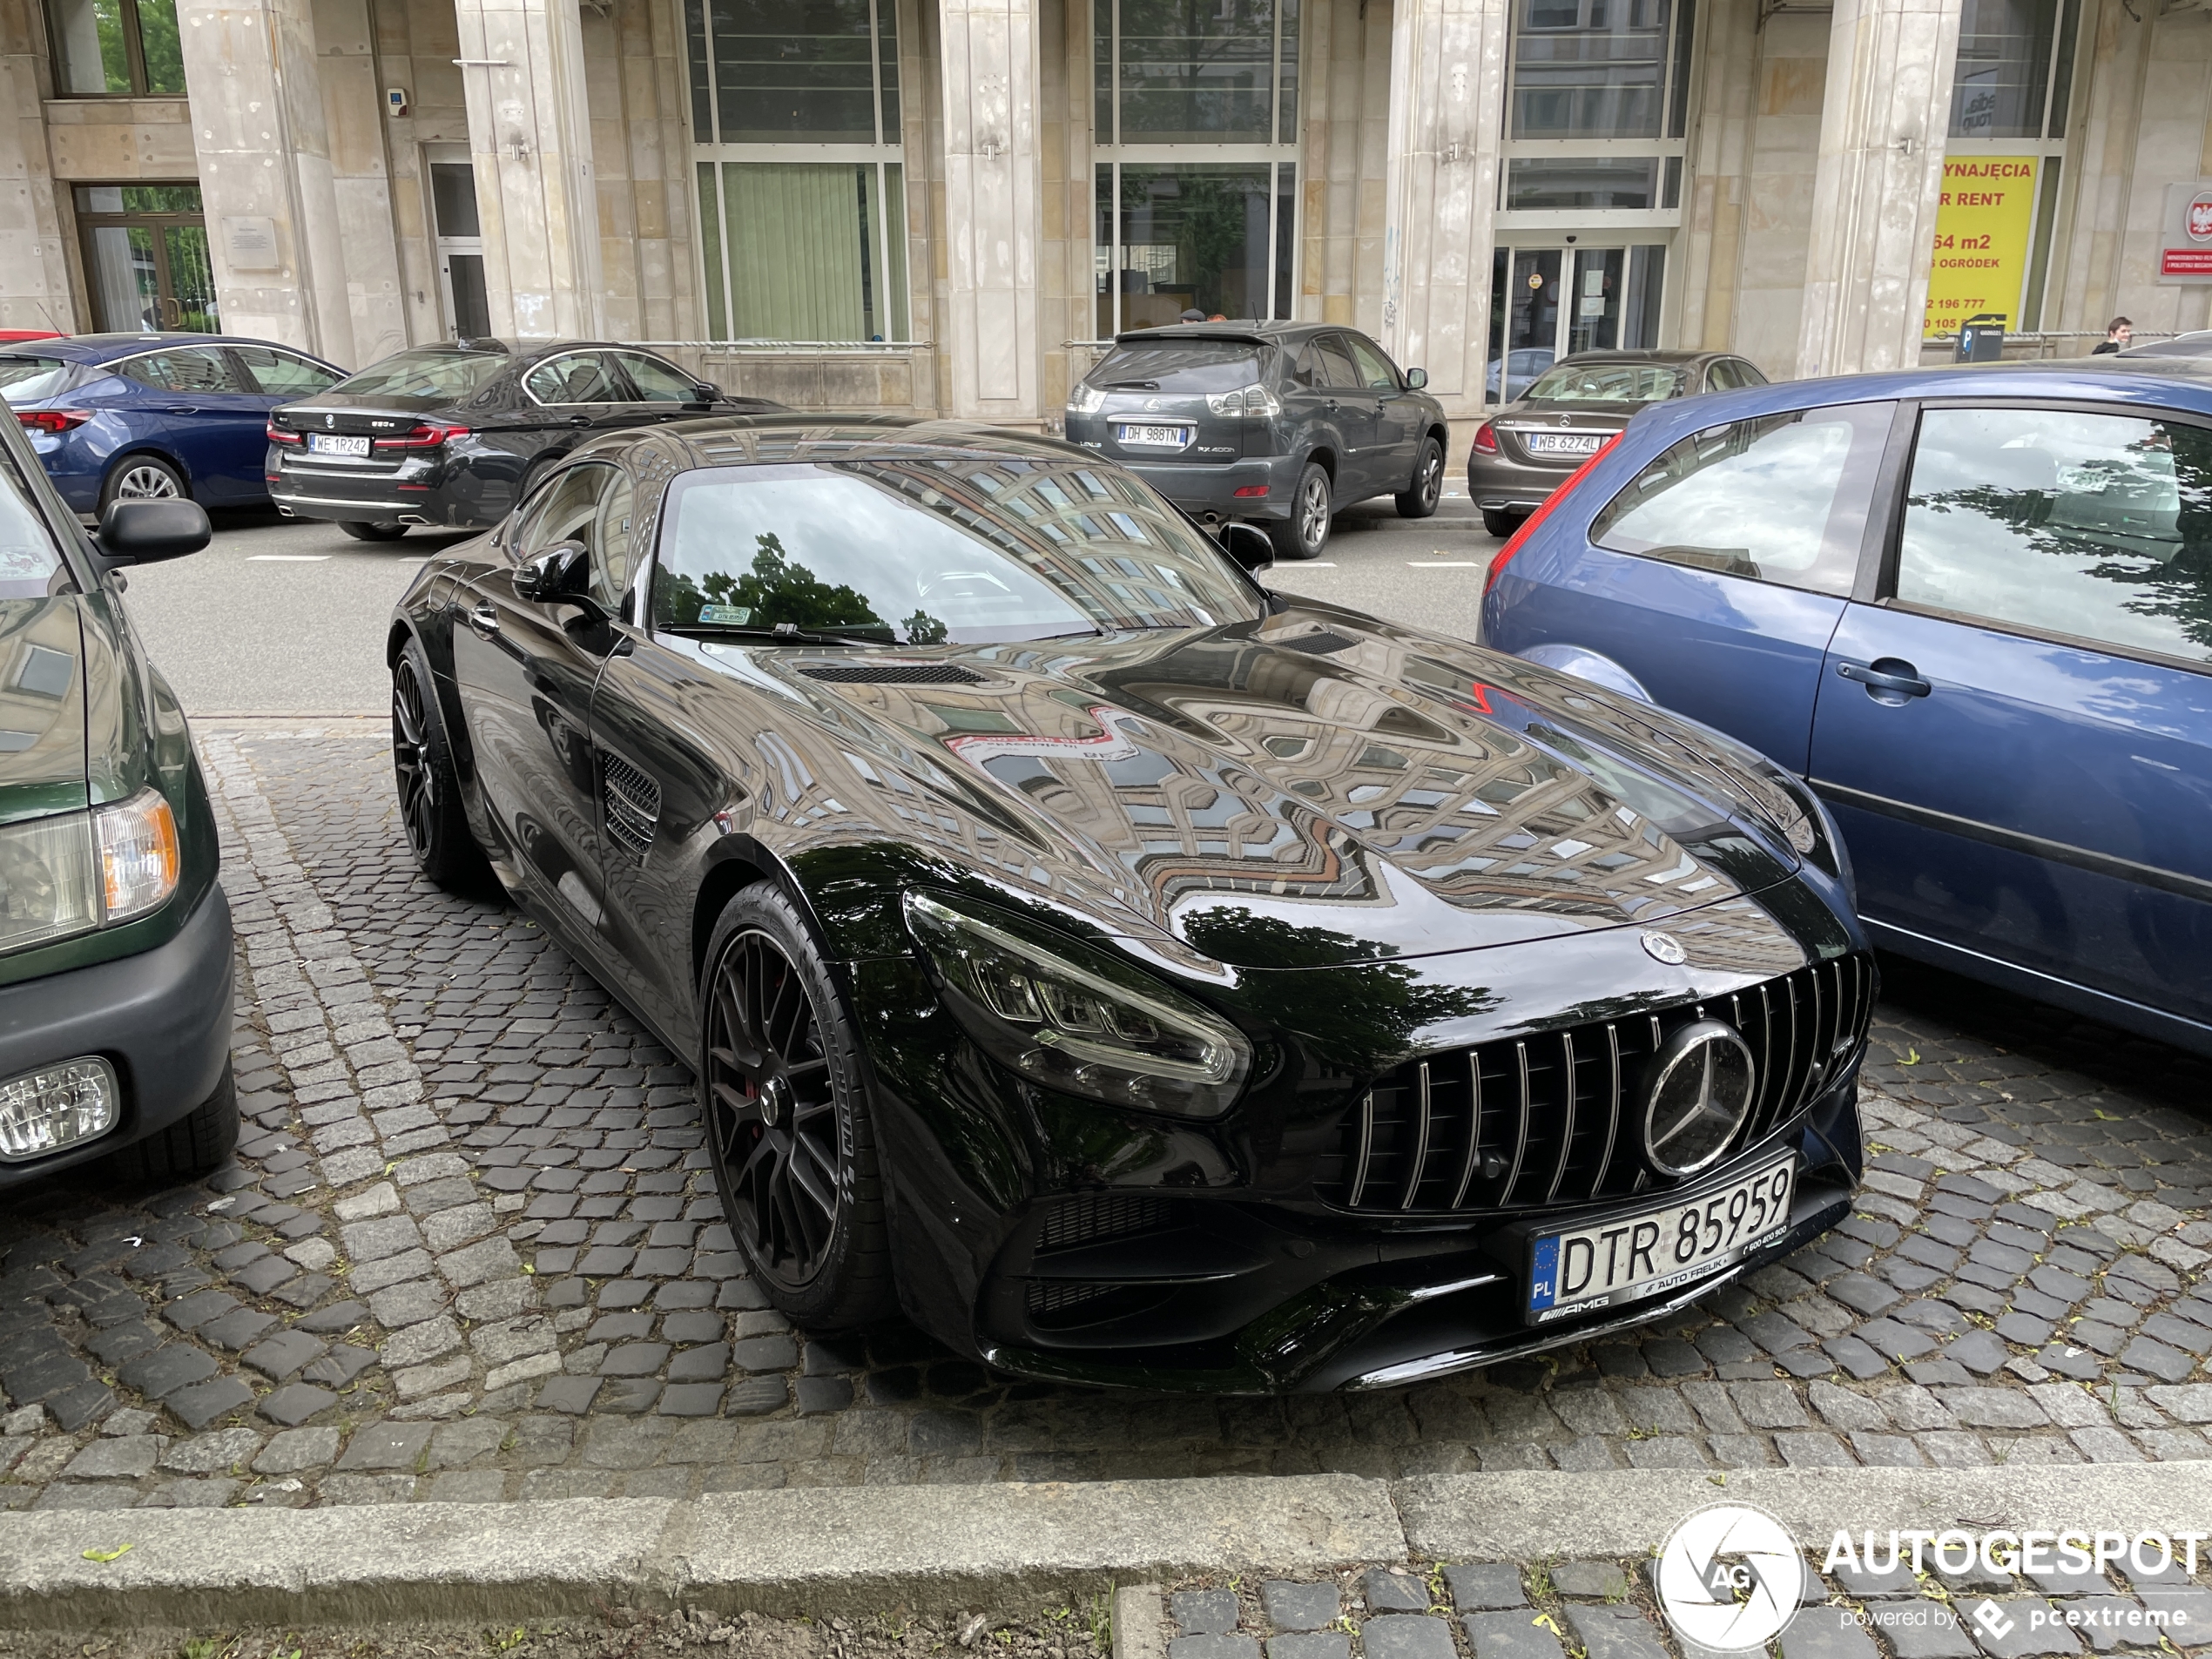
1086, 400
74, 872
1076, 1018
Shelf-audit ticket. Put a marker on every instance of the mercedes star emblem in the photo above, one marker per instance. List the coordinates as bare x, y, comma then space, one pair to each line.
1663, 947
1702, 1087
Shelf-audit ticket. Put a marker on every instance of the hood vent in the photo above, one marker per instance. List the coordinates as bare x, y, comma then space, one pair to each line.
892, 674
1319, 644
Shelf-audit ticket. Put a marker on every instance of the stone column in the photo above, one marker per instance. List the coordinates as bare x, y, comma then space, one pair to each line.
34, 274
264, 174
529, 134
994, 196
354, 116
1448, 65
1883, 124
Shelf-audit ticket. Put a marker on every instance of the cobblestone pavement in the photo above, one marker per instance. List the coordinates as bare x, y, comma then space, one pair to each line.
470, 1251
1605, 1610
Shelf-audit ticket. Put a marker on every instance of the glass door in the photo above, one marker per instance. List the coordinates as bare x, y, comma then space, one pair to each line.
146, 258
461, 243
1546, 303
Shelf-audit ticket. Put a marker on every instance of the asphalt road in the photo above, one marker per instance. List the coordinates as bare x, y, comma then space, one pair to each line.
282, 617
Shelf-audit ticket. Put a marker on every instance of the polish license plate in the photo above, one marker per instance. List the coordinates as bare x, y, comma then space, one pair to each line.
1561, 443
1625, 1258
334, 443
1155, 437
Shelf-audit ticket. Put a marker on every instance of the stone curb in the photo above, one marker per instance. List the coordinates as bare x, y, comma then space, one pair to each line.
1006, 1547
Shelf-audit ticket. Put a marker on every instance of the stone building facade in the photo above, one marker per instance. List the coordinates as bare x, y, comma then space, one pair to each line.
943, 206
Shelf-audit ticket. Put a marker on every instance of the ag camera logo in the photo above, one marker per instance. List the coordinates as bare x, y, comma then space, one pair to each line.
1730, 1578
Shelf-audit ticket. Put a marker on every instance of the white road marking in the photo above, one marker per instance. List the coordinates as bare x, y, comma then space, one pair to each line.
286, 558
1445, 564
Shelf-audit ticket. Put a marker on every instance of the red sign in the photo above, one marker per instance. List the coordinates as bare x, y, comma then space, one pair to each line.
2186, 262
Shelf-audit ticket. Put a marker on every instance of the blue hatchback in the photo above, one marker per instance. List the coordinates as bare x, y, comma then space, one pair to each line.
118, 417
1972, 608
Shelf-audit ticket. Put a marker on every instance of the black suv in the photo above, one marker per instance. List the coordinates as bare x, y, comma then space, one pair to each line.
1279, 422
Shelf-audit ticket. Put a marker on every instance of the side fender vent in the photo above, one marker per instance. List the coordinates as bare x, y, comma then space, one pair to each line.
632, 804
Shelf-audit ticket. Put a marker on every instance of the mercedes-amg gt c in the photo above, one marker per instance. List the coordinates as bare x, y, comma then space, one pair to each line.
1128, 974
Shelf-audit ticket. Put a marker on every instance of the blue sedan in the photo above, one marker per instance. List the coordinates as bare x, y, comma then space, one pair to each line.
121, 417
1972, 608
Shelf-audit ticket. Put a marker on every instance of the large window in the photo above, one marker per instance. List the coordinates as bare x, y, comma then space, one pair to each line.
115, 48
1197, 112
801, 186
1599, 105
146, 258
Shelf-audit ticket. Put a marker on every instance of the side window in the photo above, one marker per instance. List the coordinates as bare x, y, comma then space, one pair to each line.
1301, 368
1336, 361
187, 369
1374, 370
579, 377
611, 542
278, 373
657, 381
1747, 374
567, 510
2096, 526
30, 565
1782, 498
1721, 376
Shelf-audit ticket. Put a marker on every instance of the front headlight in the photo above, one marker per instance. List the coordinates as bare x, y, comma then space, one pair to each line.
1086, 400
1075, 1019
74, 872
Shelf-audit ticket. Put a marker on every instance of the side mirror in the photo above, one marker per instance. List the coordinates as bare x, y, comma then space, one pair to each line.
147, 532
1416, 379
562, 572
1248, 545
707, 392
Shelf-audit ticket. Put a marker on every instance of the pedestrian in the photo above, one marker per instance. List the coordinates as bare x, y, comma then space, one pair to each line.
2118, 333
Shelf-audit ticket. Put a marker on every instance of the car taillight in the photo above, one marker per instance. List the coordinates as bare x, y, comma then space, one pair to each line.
429, 435
278, 435
1504, 554
53, 420
1486, 441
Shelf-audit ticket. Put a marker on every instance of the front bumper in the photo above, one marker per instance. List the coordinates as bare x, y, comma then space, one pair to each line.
161, 1018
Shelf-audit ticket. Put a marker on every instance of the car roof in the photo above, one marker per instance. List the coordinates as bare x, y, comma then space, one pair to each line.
1637, 355
768, 440
104, 348
1241, 331
2140, 379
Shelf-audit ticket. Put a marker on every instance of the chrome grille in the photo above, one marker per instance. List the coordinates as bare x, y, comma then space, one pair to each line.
1551, 1119
632, 804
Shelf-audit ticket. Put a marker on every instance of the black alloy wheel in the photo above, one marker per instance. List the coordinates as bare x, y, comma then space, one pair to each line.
1418, 500
788, 1127
429, 789
1305, 532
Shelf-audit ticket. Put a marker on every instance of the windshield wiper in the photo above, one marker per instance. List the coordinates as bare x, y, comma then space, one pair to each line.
783, 633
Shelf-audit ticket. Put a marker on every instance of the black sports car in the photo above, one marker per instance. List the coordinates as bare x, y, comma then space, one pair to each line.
1131, 976
451, 436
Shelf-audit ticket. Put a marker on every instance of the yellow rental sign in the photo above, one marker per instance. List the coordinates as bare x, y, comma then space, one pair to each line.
1980, 241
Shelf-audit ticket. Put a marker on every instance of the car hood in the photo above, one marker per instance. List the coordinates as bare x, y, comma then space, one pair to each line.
42, 707
1310, 789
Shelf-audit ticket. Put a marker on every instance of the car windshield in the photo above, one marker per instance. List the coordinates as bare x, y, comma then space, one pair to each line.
425, 374
30, 565
24, 379
1182, 366
934, 548
1605, 383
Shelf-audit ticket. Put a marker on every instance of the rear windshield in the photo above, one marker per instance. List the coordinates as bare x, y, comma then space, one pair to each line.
1191, 365
425, 374
25, 379
1607, 383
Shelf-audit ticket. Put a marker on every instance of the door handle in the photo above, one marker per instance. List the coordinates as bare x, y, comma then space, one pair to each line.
579, 420
180, 408
484, 622
1886, 674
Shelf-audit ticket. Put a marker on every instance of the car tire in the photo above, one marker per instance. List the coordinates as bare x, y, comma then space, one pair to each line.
362, 531
429, 784
199, 1141
1305, 532
783, 1094
1499, 522
143, 478
1419, 500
